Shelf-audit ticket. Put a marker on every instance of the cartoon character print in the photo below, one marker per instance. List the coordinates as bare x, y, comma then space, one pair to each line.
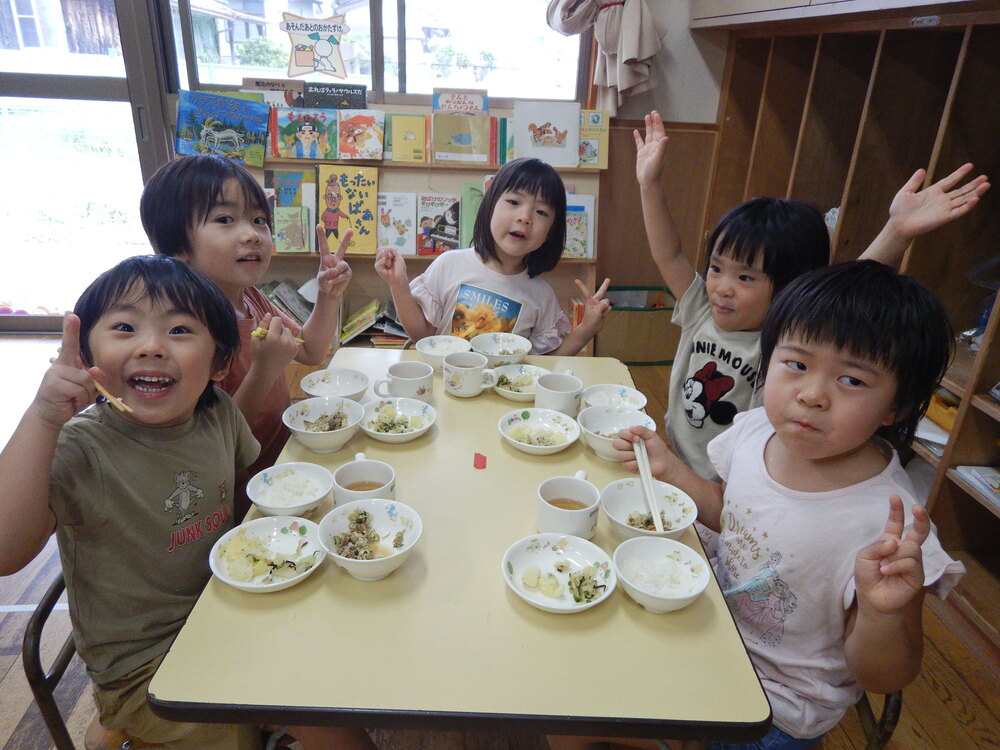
355, 132
702, 396
184, 499
765, 602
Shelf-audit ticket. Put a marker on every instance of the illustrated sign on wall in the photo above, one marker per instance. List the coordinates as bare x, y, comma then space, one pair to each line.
315, 44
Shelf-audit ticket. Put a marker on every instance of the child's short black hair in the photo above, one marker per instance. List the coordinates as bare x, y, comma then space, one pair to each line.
180, 194
792, 236
534, 177
869, 310
162, 278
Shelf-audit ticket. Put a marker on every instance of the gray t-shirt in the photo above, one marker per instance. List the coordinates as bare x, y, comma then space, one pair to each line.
138, 510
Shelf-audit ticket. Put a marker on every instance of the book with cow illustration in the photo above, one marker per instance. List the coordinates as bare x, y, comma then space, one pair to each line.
224, 125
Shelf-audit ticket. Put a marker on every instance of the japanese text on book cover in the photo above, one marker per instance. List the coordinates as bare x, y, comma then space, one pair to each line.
349, 200
438, 217
303, 133
224, 125
397, 222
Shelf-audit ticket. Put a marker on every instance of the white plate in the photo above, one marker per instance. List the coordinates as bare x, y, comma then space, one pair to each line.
407, 407
278, 534
539, 419
544, 551
527, 392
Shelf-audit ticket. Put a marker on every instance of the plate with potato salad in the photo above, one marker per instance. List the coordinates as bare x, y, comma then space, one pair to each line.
558, 573
267, 554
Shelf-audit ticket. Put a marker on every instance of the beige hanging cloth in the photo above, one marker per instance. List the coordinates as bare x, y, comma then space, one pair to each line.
628, 37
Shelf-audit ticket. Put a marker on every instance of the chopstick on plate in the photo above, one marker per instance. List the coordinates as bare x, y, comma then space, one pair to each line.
113, 400
642, 458
261, 333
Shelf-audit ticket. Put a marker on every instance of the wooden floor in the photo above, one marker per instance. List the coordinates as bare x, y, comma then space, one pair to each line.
953, 705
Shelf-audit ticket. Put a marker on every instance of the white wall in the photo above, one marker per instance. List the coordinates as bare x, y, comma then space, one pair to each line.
689, 69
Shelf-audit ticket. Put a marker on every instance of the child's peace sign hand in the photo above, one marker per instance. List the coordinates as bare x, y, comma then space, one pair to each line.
595, 307
390, 266
915, 213
890, 572
68, 385
651, 150
334, 273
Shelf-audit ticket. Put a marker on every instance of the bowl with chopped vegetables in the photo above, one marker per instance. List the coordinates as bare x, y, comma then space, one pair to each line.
601, 424
289, 489
538, 431
370, 538
558, 573
614, 396
267, 554
662, 575
501, 348
336, 381
517, 382
323, 424
433, 348
624, 505
397, 420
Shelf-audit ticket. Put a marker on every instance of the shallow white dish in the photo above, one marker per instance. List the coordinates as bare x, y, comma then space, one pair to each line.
624, 496
266, 486
387, 518
614, 396
501, 348
545, 551
660, 552
336, 381
394, 409
516, 373
311, 409
598, 422
542, 422
434, 348
278, 535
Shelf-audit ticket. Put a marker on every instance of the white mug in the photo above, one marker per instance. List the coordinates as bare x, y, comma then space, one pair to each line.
568, 505
465, 374
561, 391
407, 379
363, 477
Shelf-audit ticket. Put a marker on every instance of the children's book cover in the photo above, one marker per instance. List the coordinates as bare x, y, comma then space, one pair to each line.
303, 133
594, 138
479, 310
335, 95
408, 134
438, 221
580, 213
224, 125
549, 131
278, 92
397, 222
293, 189
472, 197
461, 101
360, 134
349, 201
461, 139
292, 228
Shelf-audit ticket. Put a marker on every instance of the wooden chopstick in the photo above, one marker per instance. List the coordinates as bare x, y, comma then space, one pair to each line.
642, 458
113, 400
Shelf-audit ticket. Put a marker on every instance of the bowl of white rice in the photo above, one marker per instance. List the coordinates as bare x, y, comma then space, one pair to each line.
614, 396
291, 489
432, 349
661, 574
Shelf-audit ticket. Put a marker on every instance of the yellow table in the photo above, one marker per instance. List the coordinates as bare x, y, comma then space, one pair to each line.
442, 643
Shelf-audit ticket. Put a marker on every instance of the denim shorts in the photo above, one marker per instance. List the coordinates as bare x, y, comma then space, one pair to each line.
775, 739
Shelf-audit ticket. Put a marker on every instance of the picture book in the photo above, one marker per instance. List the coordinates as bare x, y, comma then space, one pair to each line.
438, 223
348, 200
335, 95
224, 125
294, 189
247, 96
594, 138
360, 320
288, 299
408, 135
462, 139
303, 133
986, 479
472, 197
462, 101
360, 134
397, 222
278, 92
292, 229
580, 217
549, 131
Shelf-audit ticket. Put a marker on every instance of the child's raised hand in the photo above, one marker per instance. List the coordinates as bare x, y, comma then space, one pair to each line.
890, 572
334, 273
277, 348
68, 385
595, 307
650, 150
915, 212
390, 266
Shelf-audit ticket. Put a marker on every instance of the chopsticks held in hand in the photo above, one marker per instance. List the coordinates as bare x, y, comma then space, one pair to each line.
261, 333
113, 400
642, 458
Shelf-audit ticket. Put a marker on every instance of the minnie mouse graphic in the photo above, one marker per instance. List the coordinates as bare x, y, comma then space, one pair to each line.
703, 392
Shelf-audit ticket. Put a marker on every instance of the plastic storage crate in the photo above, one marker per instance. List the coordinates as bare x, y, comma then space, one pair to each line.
638, 330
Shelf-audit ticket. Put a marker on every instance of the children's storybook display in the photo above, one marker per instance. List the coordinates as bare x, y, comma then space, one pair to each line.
594, 138
549, 131
460, 101
360, 133
406, 138
464, 139
295, 189
438, 220
348, 200
277, 92
335, 95
397, 222
580, 217
303, 133
292, 229
224, 125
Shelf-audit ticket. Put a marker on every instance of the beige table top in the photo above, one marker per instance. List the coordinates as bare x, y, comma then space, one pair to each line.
442, 643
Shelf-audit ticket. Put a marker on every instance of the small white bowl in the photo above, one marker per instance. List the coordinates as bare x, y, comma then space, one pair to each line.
387, 518
312, 409
600, 425
393, 411
614, 396
623, 497
521, 425
292, 537
518, 390
337, 381
660, 574
433, 348
501, 348
290, 489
